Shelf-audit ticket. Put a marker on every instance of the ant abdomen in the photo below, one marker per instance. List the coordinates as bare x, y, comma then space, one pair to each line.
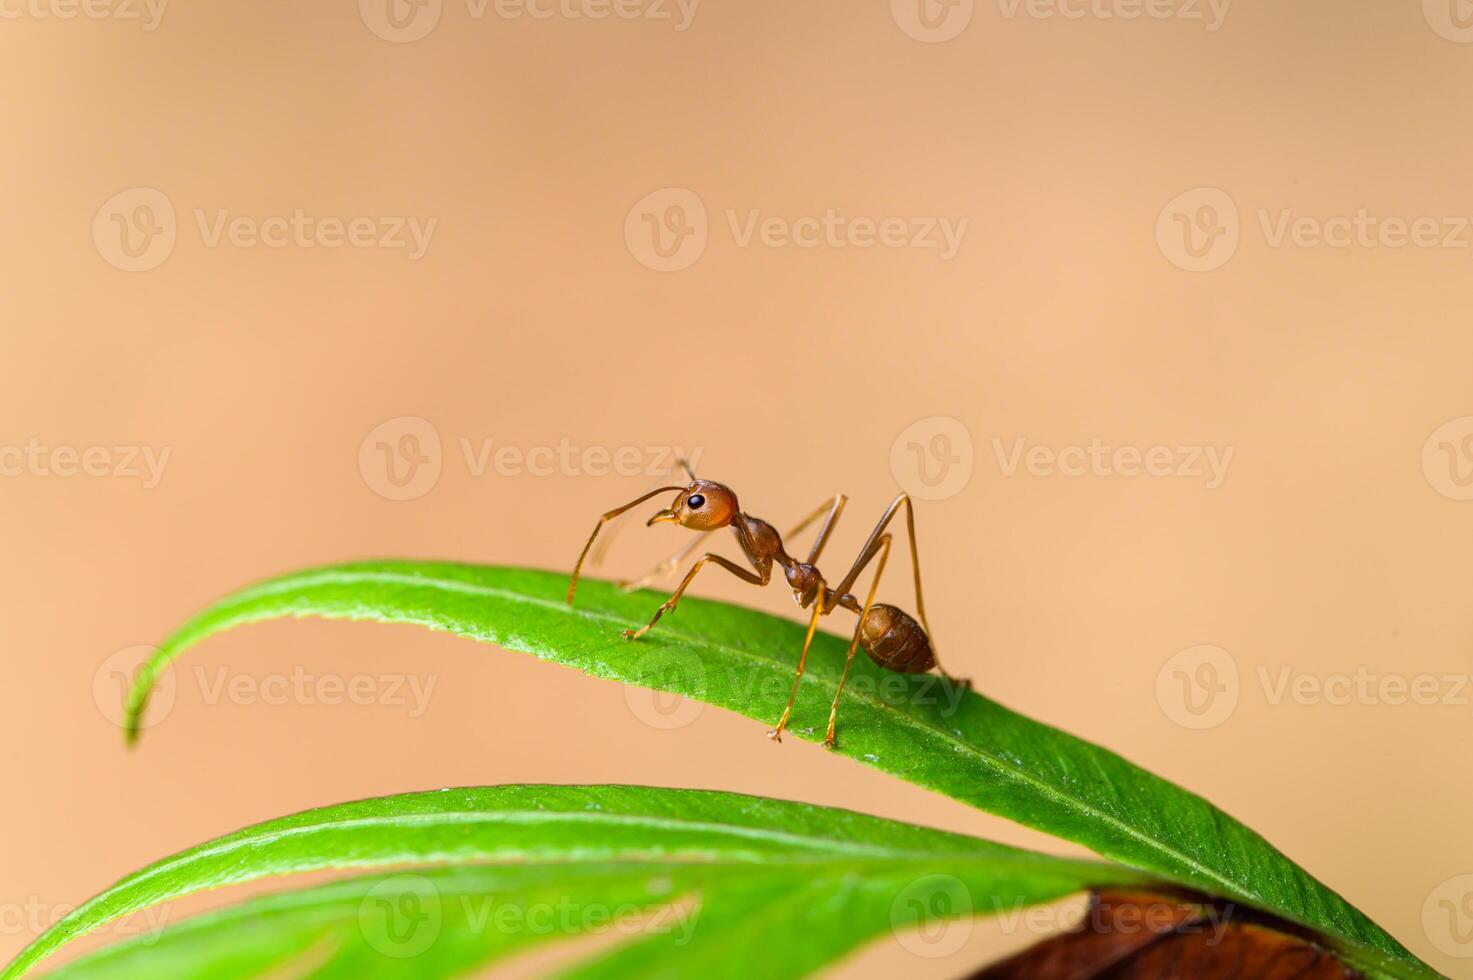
895, 641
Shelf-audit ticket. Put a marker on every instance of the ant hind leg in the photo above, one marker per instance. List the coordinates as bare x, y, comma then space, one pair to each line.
883, 551
777, 733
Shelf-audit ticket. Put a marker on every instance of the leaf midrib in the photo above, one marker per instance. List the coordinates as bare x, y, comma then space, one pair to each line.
842, 848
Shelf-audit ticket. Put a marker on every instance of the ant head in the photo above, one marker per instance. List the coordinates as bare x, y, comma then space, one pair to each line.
702, 506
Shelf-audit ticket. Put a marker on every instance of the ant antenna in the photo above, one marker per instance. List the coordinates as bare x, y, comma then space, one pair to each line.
578, 568
597, 555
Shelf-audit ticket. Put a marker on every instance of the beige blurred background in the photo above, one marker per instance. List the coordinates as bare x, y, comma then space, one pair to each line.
1182, 237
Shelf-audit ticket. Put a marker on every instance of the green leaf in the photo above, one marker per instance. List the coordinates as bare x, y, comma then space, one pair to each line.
919, 728
526, 864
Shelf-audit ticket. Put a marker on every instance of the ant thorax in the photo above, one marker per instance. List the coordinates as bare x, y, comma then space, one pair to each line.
761, 542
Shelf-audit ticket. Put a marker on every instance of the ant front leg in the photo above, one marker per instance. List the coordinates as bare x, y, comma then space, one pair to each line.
669, 604
665, 566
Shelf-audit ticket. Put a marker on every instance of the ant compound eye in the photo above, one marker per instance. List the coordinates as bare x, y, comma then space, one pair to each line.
695, 501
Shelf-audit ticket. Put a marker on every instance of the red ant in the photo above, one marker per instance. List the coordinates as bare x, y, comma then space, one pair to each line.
890, 636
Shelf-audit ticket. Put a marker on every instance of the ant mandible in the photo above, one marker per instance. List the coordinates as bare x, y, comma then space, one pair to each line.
890, 636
